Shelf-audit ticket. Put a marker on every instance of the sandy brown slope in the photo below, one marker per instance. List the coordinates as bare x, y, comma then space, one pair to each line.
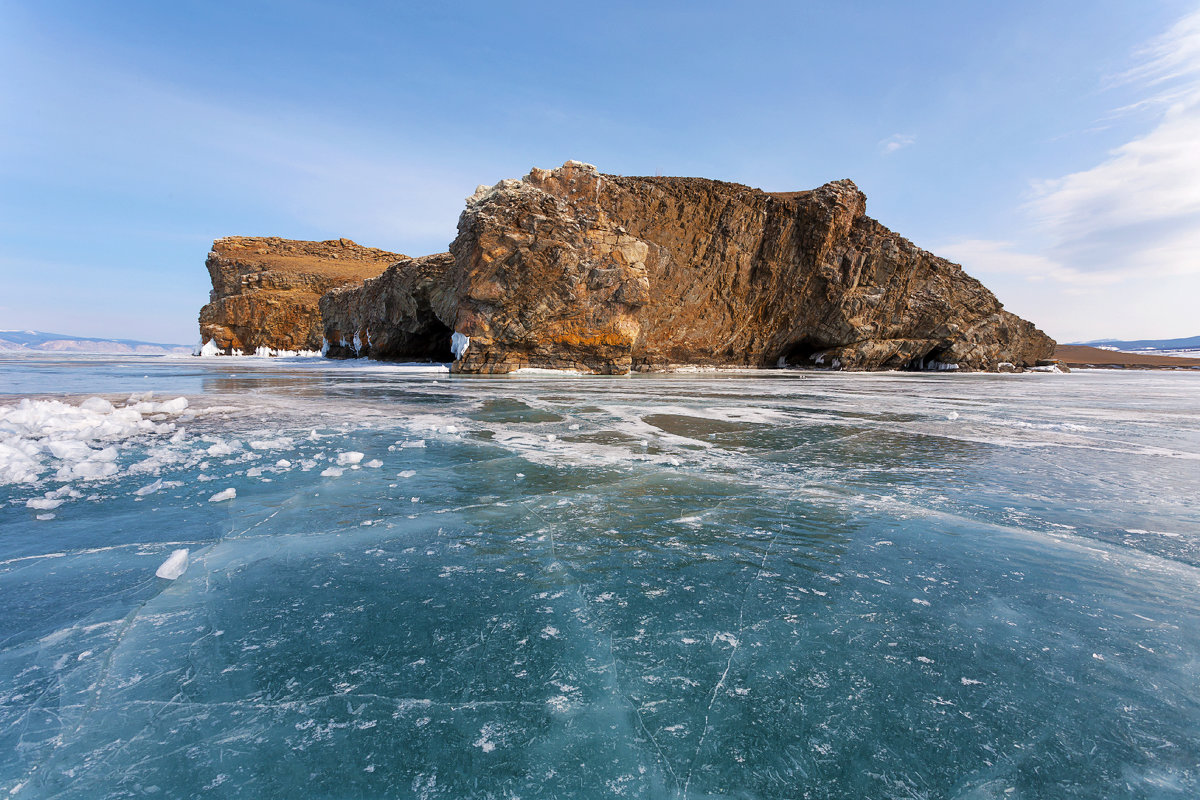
1077, 355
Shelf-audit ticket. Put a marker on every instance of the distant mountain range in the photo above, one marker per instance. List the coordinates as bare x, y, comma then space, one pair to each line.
42, 342
1186, 345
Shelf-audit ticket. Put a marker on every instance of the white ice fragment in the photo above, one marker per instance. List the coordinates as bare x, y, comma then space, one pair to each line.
332, 472
283, 463
97, 405
149, 488
920, 602
43, 503
574, 426
953, 415
550, 437
374, 463
176, 406
351, 457
224, 494
459, 344
46, 517
280, 443
210, 349
970, 682
174, 566
408, 473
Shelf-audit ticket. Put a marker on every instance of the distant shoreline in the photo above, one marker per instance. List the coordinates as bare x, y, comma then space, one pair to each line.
1082, 356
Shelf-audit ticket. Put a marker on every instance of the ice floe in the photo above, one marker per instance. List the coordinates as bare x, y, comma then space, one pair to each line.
76, 442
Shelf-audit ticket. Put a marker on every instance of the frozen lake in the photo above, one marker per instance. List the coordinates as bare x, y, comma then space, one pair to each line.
775, 584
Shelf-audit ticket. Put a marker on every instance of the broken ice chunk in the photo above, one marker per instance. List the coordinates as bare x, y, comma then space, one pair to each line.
175, 565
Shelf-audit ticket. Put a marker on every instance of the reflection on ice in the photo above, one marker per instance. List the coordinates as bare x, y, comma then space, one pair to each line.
734, 585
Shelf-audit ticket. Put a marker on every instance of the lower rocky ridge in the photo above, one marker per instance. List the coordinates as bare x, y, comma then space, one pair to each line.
266, 289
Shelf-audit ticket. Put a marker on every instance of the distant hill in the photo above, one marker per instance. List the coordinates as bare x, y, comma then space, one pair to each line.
42, 342
1147, 345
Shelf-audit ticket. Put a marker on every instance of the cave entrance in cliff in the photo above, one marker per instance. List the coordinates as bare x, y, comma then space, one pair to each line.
926, 362
431, 342
801, 353
434, 342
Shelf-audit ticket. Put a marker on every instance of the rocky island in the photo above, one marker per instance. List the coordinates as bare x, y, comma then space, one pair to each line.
574, 269
266, 289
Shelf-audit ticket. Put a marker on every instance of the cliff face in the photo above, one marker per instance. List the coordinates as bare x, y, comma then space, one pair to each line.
570, 268
390, 317
266, 289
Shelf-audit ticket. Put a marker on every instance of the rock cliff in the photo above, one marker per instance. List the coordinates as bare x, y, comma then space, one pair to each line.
266, 289
391, 317
570, 268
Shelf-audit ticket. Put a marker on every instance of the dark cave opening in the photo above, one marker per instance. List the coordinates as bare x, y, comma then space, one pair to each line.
801, 353
926, 362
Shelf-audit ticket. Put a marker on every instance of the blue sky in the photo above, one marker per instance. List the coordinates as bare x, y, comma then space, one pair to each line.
1051, 148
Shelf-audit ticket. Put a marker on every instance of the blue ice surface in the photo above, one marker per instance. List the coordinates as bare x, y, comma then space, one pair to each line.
776, 584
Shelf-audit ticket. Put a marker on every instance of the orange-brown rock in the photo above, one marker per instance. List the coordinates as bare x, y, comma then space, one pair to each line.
390, 317
266, 289
570, 268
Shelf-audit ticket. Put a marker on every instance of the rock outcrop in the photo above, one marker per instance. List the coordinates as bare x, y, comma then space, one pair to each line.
266, 289
570, 268
391, 317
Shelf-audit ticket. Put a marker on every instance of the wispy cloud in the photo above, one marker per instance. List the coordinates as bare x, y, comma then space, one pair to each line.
1134, 215
1137, 212
897, 141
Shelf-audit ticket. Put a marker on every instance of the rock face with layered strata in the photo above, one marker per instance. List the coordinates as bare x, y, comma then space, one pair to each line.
266, 289
391, 317
570, 268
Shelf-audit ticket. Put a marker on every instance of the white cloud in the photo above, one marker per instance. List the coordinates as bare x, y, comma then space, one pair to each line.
986, 256
1137, 213
896, 141
1118, 245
